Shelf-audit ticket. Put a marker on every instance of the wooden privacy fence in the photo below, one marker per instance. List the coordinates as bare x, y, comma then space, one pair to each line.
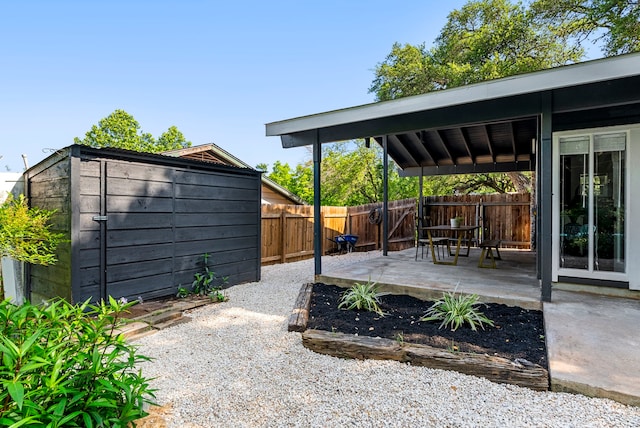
506, 217
287, 230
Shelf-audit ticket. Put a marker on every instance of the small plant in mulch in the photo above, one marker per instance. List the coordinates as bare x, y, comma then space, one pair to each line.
362, 297
456, 310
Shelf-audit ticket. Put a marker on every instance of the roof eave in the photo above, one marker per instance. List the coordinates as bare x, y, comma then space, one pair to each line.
540, 81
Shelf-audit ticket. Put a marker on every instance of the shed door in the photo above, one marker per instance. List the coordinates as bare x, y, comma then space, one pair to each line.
139, 230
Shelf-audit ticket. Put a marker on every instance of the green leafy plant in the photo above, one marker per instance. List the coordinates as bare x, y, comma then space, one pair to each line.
362, 296
25, 233
66, 365
204, 282
456, 310
182, 292
217, 296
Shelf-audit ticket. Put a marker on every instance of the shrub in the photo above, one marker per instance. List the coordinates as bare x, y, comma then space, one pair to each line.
457, 310
362, 296
25, 233
65, 365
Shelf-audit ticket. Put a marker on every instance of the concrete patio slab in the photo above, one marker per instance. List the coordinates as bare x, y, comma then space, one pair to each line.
593, 343
513, 283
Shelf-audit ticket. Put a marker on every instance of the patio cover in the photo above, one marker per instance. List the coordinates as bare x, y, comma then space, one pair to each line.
496, 126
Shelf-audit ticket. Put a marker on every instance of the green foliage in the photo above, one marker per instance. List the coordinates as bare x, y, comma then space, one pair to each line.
120, 130
489, 39
485, 39
182, 292
615, 23
456, 310
298, 181
25, 233
204, 283
65, 365
343, 164
407, 70
362, 297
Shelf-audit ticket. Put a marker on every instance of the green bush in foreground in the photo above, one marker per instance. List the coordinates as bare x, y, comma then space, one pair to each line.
64, 365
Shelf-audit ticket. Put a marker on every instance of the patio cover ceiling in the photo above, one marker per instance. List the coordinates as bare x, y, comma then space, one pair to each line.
486, 127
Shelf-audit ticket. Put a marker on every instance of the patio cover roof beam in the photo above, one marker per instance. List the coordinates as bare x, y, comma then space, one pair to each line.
485, 131
465, 140
521, 165
438, 136
513, 141
426, 149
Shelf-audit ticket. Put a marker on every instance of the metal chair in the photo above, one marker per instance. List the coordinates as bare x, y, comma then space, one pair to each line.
422, 239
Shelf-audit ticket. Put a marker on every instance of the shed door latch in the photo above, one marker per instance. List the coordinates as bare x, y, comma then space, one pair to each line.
99, 218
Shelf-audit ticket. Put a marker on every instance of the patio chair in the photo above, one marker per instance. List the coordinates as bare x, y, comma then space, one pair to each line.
422, 239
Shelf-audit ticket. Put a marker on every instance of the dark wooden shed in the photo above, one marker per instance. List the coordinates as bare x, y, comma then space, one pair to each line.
138, 224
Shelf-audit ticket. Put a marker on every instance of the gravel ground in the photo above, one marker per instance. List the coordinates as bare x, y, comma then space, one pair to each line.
235, 365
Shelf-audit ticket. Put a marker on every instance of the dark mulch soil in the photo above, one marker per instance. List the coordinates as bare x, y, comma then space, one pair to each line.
518, 333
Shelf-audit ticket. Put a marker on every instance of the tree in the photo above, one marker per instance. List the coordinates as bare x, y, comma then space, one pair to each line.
489, 39
351, 175
120, 130
298, 181
616, 23
485, 39
171, 139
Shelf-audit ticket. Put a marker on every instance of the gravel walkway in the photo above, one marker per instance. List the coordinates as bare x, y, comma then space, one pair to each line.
235, 365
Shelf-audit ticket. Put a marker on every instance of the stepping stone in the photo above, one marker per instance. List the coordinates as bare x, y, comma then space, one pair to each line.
133, 329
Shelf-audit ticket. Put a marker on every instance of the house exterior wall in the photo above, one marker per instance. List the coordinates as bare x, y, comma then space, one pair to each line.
140, 227
10, 182
271, 197
633, 228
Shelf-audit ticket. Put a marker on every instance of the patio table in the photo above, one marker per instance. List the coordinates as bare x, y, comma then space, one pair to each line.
459, 232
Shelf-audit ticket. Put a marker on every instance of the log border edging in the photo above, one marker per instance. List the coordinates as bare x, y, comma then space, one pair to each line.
496, 369
300, 315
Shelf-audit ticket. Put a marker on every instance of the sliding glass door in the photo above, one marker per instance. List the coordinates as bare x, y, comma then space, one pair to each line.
591, 202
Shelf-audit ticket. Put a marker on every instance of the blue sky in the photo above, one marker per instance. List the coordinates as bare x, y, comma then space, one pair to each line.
218, 70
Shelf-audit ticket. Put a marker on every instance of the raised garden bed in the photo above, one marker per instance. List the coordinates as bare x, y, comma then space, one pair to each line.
512, 352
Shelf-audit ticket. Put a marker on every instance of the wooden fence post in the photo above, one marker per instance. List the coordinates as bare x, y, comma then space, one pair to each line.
283, 236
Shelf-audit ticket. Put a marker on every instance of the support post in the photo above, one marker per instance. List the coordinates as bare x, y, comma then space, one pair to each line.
317, 217
545, 181
385, 195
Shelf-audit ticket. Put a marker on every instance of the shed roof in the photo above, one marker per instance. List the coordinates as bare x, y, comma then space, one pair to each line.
488, 126
214, 153
79, 150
